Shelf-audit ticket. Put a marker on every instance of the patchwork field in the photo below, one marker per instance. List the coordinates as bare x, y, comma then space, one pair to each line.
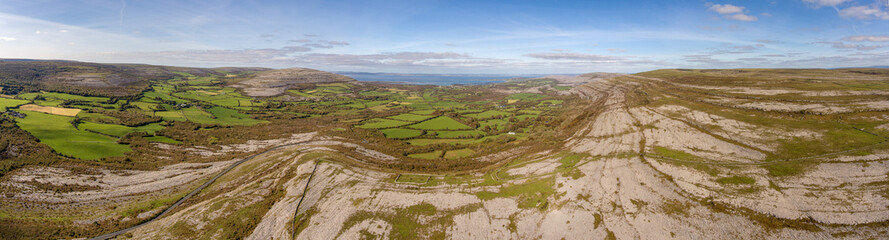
10, 103
51, 110
666, 154
59, 133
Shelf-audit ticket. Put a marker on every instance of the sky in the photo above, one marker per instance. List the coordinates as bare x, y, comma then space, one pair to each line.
452, 37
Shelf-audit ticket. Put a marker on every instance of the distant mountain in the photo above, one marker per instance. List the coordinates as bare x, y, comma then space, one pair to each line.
435, 79
100, 79
274, 82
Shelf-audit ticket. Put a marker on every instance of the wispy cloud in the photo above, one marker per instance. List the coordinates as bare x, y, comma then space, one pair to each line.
842, 45
219, 55
574, 57
736, 49
726, 9
876, 11
825, 3
7, 39
867, 38
731, 12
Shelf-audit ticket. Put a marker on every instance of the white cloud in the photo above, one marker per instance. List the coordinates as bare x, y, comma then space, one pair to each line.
865, 12
63, 31
860, 47
731, 12
7, 39
725, 9
742, 17
866, 38
825, 3
574, 57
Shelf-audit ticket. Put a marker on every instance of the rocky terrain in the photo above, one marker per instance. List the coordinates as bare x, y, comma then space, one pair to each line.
275, 82
663, 156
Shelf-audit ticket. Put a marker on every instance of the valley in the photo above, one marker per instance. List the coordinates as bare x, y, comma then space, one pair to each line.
672, 153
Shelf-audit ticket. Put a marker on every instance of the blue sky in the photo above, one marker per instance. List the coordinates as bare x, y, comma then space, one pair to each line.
508, 37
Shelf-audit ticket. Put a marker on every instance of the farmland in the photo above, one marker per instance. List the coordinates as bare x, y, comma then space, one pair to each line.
58, 132
407, 161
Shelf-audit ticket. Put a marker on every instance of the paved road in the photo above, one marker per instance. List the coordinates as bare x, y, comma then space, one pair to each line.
192, 193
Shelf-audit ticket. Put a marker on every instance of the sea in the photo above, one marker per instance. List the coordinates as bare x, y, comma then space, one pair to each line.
434, 79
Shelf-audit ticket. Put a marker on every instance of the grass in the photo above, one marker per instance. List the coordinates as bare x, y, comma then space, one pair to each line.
164, 97
410, 117
526, 96
531, 194
839, 137
458, 134
430, 155
525, 116
232, 117
424, 112
494, 123
63, 96
440, 123
461, 153
489, 114
162, 139
410, 178
569, 159
174, 115
550, 102
686, 159
118, 130
424, 142
219, 115
785, 168
376, 123
10, 103
58, 133
399, 133
145, 105
95, 116
421, 221
736, 180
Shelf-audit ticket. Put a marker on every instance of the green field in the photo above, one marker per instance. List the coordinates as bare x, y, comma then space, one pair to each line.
423, 112
461, 153
526, 96
410, 117
458, 134
162, 139
225, 116
10, 103
489, 114
401, 133
424, 142
525, 116
382, 123
119, 130
429, 155
494, 123
174, 115
57, 132
440, 123
63, 96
